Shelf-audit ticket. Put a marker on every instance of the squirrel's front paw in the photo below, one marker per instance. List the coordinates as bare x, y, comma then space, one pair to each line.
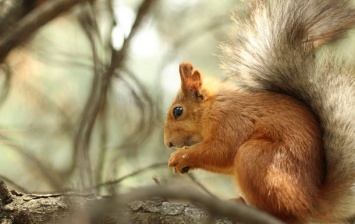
179, 161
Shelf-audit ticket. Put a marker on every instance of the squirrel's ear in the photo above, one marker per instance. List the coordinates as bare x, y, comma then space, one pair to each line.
191, 80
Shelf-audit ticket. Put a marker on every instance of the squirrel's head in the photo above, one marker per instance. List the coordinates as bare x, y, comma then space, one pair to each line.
183, 124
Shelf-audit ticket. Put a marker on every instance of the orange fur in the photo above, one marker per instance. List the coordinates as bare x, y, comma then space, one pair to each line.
270, 143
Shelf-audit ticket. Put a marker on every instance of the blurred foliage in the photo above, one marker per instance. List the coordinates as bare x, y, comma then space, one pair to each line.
53, 77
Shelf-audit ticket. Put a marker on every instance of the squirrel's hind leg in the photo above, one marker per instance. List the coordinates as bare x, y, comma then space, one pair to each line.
271, 179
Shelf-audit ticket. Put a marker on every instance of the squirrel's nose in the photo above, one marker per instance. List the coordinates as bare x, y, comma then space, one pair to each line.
171, 144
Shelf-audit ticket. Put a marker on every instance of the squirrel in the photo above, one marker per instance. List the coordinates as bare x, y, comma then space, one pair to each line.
283, 126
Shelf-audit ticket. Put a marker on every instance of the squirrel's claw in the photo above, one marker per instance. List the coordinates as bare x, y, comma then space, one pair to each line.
185, 170
178, 161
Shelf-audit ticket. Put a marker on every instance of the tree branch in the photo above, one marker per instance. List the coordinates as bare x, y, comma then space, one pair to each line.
215, 207
31, 22
137, 206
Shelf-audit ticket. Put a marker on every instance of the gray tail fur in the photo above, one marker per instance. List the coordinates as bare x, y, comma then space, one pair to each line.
273, 48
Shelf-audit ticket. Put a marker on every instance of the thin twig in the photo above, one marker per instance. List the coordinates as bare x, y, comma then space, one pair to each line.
143, 9
6, 83
145, 104
103, 149
198, 183
82, 139
97, 101
117, 181
11, 182
49, 175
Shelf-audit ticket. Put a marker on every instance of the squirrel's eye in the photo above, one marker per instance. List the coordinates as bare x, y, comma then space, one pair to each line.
177, 112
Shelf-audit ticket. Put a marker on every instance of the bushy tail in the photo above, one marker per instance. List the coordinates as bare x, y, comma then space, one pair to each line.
273, 48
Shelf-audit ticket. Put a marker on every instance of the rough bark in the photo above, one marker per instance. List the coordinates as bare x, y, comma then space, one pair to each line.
76, 208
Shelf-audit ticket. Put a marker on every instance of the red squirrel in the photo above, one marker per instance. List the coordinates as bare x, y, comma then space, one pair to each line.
284, 125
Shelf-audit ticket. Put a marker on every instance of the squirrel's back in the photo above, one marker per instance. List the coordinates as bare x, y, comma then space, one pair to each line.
273, 48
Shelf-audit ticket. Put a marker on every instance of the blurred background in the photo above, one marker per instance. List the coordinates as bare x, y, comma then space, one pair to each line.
66, 123
83, 98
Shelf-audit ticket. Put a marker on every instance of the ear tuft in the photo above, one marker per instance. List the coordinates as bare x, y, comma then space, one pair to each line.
191, 80
186, 69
